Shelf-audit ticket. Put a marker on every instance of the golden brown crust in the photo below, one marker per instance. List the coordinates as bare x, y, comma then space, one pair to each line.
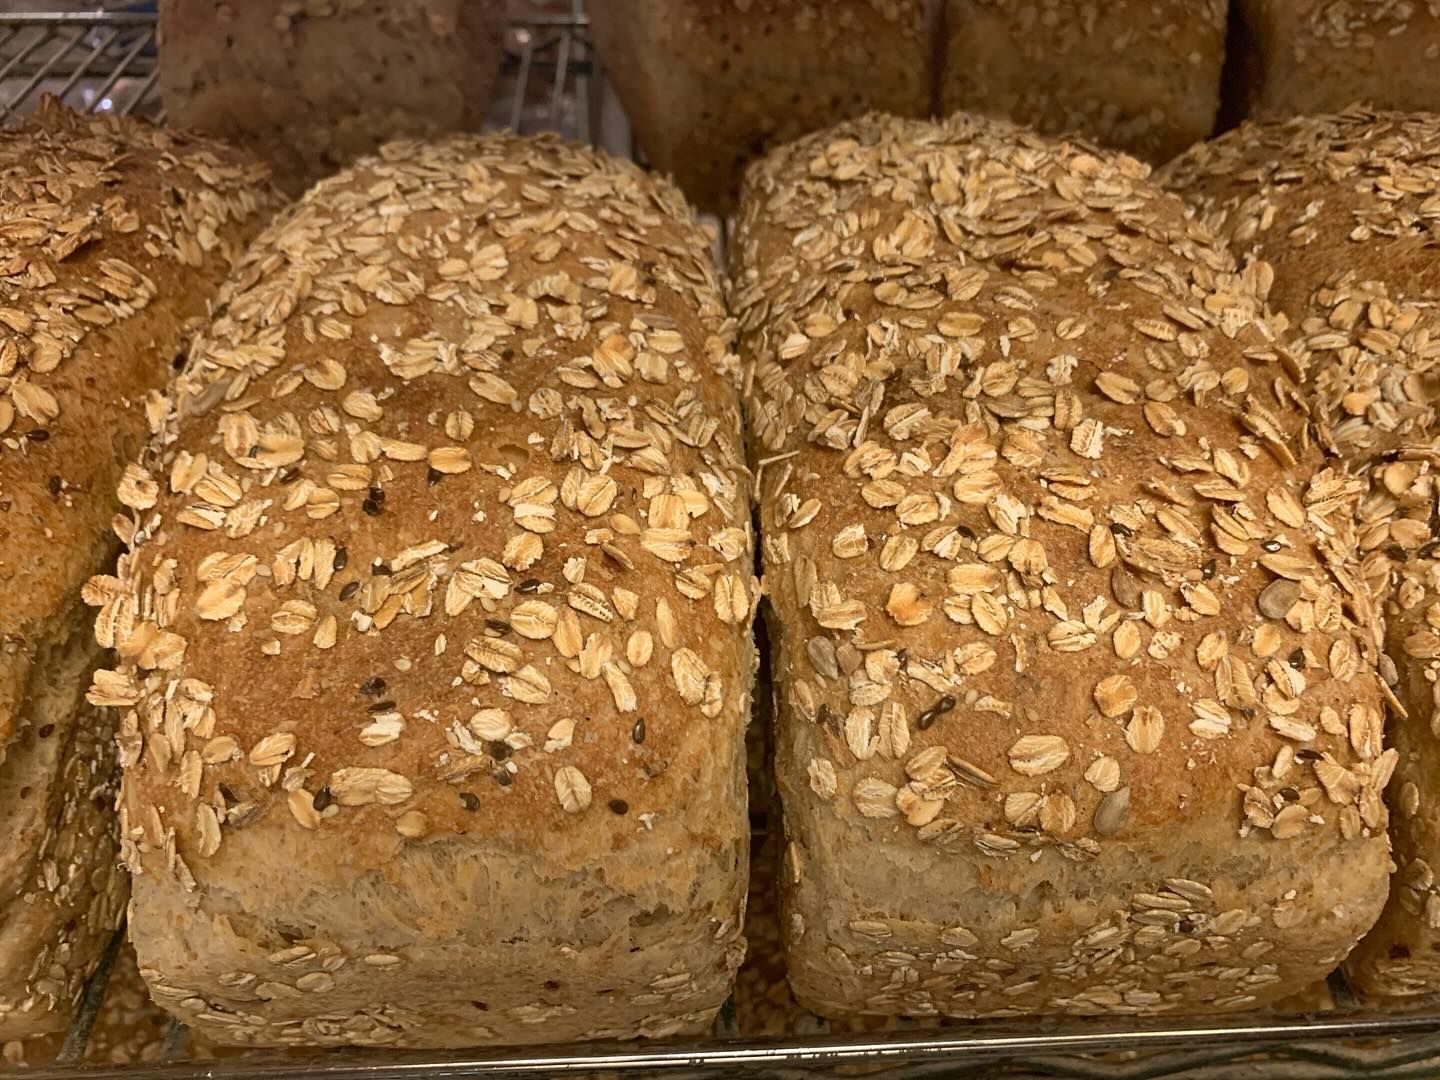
1140, 75
710, 84
1079, 710
1321, 56
1342, 207
311, 87
112, 233
441, 572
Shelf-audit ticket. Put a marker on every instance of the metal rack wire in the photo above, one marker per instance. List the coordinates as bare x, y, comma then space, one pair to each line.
104, 61
1286, 1048
93, 61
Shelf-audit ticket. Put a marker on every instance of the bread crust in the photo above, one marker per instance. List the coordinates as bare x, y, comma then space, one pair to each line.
310, 90
111, 235
1340, 208
1052, 737
447, 569
1321, 56
1139, 75
709, 85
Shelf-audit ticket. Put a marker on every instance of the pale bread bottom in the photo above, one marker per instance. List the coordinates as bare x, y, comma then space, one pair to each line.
62, 891
451, 945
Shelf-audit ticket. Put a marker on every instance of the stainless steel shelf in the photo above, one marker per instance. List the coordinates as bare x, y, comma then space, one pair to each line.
1379, 1047
104, 61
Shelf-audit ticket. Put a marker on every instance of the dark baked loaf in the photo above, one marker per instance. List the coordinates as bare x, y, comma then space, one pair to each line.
1141, 75
710, 84
311, 86
444, 566
1078, 701
113, 236
1320, 56
1342, 210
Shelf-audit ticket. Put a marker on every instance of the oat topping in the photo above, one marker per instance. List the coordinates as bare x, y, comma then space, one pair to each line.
1059, 570
111, 234
1341, 210
445, 535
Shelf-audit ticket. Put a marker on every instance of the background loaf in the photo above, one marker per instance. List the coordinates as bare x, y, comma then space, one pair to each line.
312, 86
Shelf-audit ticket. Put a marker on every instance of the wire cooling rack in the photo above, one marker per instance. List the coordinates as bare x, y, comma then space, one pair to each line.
103, 60
93, 61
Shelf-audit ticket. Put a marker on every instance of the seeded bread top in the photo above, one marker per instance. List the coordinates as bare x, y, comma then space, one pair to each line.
1343, 208
99, 217
447, 532
1056, 560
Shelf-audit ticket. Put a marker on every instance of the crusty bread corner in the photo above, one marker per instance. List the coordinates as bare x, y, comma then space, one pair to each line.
1321, 56
1341, 209
1077, 673
709, 85
112, 234
312, 86
1140, 75
436, 619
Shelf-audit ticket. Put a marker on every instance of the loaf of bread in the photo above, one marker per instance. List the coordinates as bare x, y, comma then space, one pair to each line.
1079, 709
1320, 56
113, 234
1342, 210
443, 570
1141, 75
708, 85
314, 84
